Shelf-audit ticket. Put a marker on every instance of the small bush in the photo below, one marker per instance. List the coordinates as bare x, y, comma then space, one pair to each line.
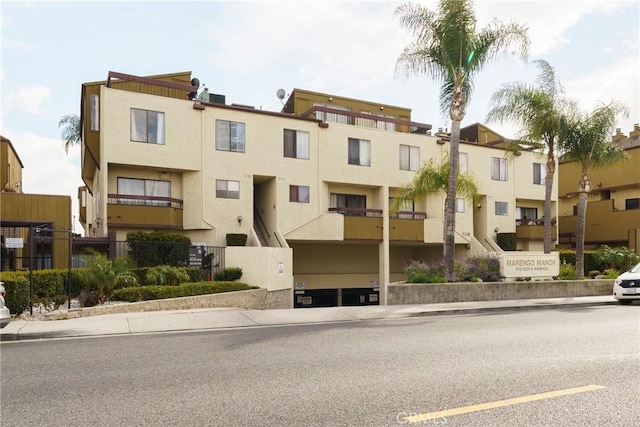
228, 274
145, 293
424, 272
196, 274
610, 273
17, 287
507, 241
166, 275
567, 272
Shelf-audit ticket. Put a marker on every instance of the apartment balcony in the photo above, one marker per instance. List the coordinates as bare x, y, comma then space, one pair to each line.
125, 210
407, 226
534, 232
360, 223
366, 224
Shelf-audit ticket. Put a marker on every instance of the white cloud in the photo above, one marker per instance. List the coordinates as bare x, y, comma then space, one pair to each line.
47, 169
30, 99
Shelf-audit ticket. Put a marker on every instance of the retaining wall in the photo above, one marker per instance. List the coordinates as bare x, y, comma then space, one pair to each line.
430, 293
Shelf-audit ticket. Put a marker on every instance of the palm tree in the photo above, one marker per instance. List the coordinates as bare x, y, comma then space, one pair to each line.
586, 139
71, 132
448, 49
433, 178
537, 109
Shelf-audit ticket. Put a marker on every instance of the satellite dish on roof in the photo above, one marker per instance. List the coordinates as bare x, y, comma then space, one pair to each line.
195, 82
281, 94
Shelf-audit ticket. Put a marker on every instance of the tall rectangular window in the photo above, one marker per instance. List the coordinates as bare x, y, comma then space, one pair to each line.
147, 126
95, 118
296, 144
498, 169
502, 208
359, 152
144, 187
227, 189
463, 162
332, 117
409, 157
539, 173
230, 136
299, 193
348, 204
460, 205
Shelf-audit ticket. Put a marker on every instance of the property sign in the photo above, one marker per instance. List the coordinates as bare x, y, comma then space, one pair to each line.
195, 256
529, 264
13, 242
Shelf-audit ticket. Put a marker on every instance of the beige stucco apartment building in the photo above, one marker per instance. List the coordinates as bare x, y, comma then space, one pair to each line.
310, 186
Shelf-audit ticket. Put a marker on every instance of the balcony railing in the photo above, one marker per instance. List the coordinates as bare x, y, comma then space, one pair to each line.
357, 211
388, 123
130, 199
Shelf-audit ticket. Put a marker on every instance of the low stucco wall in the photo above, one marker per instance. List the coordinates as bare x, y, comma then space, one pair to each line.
254, 299
429, 293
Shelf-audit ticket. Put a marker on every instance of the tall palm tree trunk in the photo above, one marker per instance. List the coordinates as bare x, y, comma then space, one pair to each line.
551, 169
584, 187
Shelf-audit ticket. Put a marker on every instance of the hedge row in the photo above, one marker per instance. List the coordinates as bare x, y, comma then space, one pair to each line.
49, 285
145, 293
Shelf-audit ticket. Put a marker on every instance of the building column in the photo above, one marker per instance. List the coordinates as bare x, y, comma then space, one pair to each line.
383, 257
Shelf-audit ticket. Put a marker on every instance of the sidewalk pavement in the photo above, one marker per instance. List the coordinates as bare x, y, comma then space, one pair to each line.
223, 318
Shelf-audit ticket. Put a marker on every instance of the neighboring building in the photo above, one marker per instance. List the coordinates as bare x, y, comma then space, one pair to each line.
310, 185
48, 216
613, 209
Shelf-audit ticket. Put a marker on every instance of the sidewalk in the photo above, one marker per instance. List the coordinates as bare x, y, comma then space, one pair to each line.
221, 318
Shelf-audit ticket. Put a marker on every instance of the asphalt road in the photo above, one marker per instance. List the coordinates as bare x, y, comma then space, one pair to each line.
565, 367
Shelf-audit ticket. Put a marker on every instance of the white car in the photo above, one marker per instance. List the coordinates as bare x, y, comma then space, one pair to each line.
5, 316
626, 287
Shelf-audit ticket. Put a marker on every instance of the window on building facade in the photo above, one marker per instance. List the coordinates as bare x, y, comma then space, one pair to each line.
296, 144
502, 208
409, 157
539, 173
332, 117
498, 169
230, 136
632, 204
146, 188
299, 193
405, 210
463, 162
348, 204
460, 205
227, 189
147, 126
359, 152
94, 116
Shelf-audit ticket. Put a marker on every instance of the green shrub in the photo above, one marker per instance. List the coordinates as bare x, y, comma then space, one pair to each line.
507, 241
567, 272
610, 273
158, 248
619, 258
16, 285
144, 293
228, 274
166, 275
103, 275
196, 274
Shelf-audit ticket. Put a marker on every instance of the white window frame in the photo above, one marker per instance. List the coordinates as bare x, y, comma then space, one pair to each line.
499, 169
230, 136
299, 193
463, 162
502, 208
409, 157
142, 128
364, 152
539, 173
227, 189
299, 148
95, 112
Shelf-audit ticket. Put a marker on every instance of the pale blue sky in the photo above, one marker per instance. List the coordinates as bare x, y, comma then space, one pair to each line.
248, 50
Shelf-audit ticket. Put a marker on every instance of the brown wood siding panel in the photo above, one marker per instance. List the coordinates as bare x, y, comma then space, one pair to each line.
362, 228
144, 215
406, 229
534, 232
603, 224
36, 209
4, 166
